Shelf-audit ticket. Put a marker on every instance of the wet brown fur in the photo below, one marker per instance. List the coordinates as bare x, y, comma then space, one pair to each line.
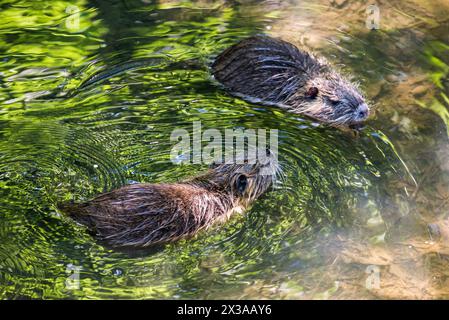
270, 71
142, 215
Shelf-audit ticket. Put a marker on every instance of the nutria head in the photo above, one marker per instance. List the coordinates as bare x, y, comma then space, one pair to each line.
270, 71
142, 215
243, 182
330, 98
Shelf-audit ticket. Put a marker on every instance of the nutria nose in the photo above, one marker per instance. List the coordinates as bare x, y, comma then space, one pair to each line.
362, 111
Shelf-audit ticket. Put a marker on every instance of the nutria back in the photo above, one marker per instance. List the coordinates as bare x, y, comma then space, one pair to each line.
143, 215
270, 71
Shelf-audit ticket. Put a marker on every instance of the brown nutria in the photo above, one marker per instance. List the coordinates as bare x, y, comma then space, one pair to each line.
142, 215
270, 71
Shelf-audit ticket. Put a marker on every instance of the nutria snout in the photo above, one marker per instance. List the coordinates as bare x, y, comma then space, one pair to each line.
271, 71
141, 215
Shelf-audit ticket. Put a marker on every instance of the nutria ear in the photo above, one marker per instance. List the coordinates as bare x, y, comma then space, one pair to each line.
241, 183
312, 92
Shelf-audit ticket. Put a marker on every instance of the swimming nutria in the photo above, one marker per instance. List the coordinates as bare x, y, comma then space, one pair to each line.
274, 72
140, 215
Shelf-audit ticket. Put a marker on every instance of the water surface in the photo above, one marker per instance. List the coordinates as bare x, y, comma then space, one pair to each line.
90, 92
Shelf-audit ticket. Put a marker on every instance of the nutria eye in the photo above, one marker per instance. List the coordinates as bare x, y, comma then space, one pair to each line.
242, 182
334, 102
312, 92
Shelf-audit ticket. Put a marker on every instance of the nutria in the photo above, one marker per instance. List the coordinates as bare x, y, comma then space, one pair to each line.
270, 71
142, 215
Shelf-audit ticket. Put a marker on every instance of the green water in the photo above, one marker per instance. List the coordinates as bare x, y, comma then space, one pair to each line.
90, 92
